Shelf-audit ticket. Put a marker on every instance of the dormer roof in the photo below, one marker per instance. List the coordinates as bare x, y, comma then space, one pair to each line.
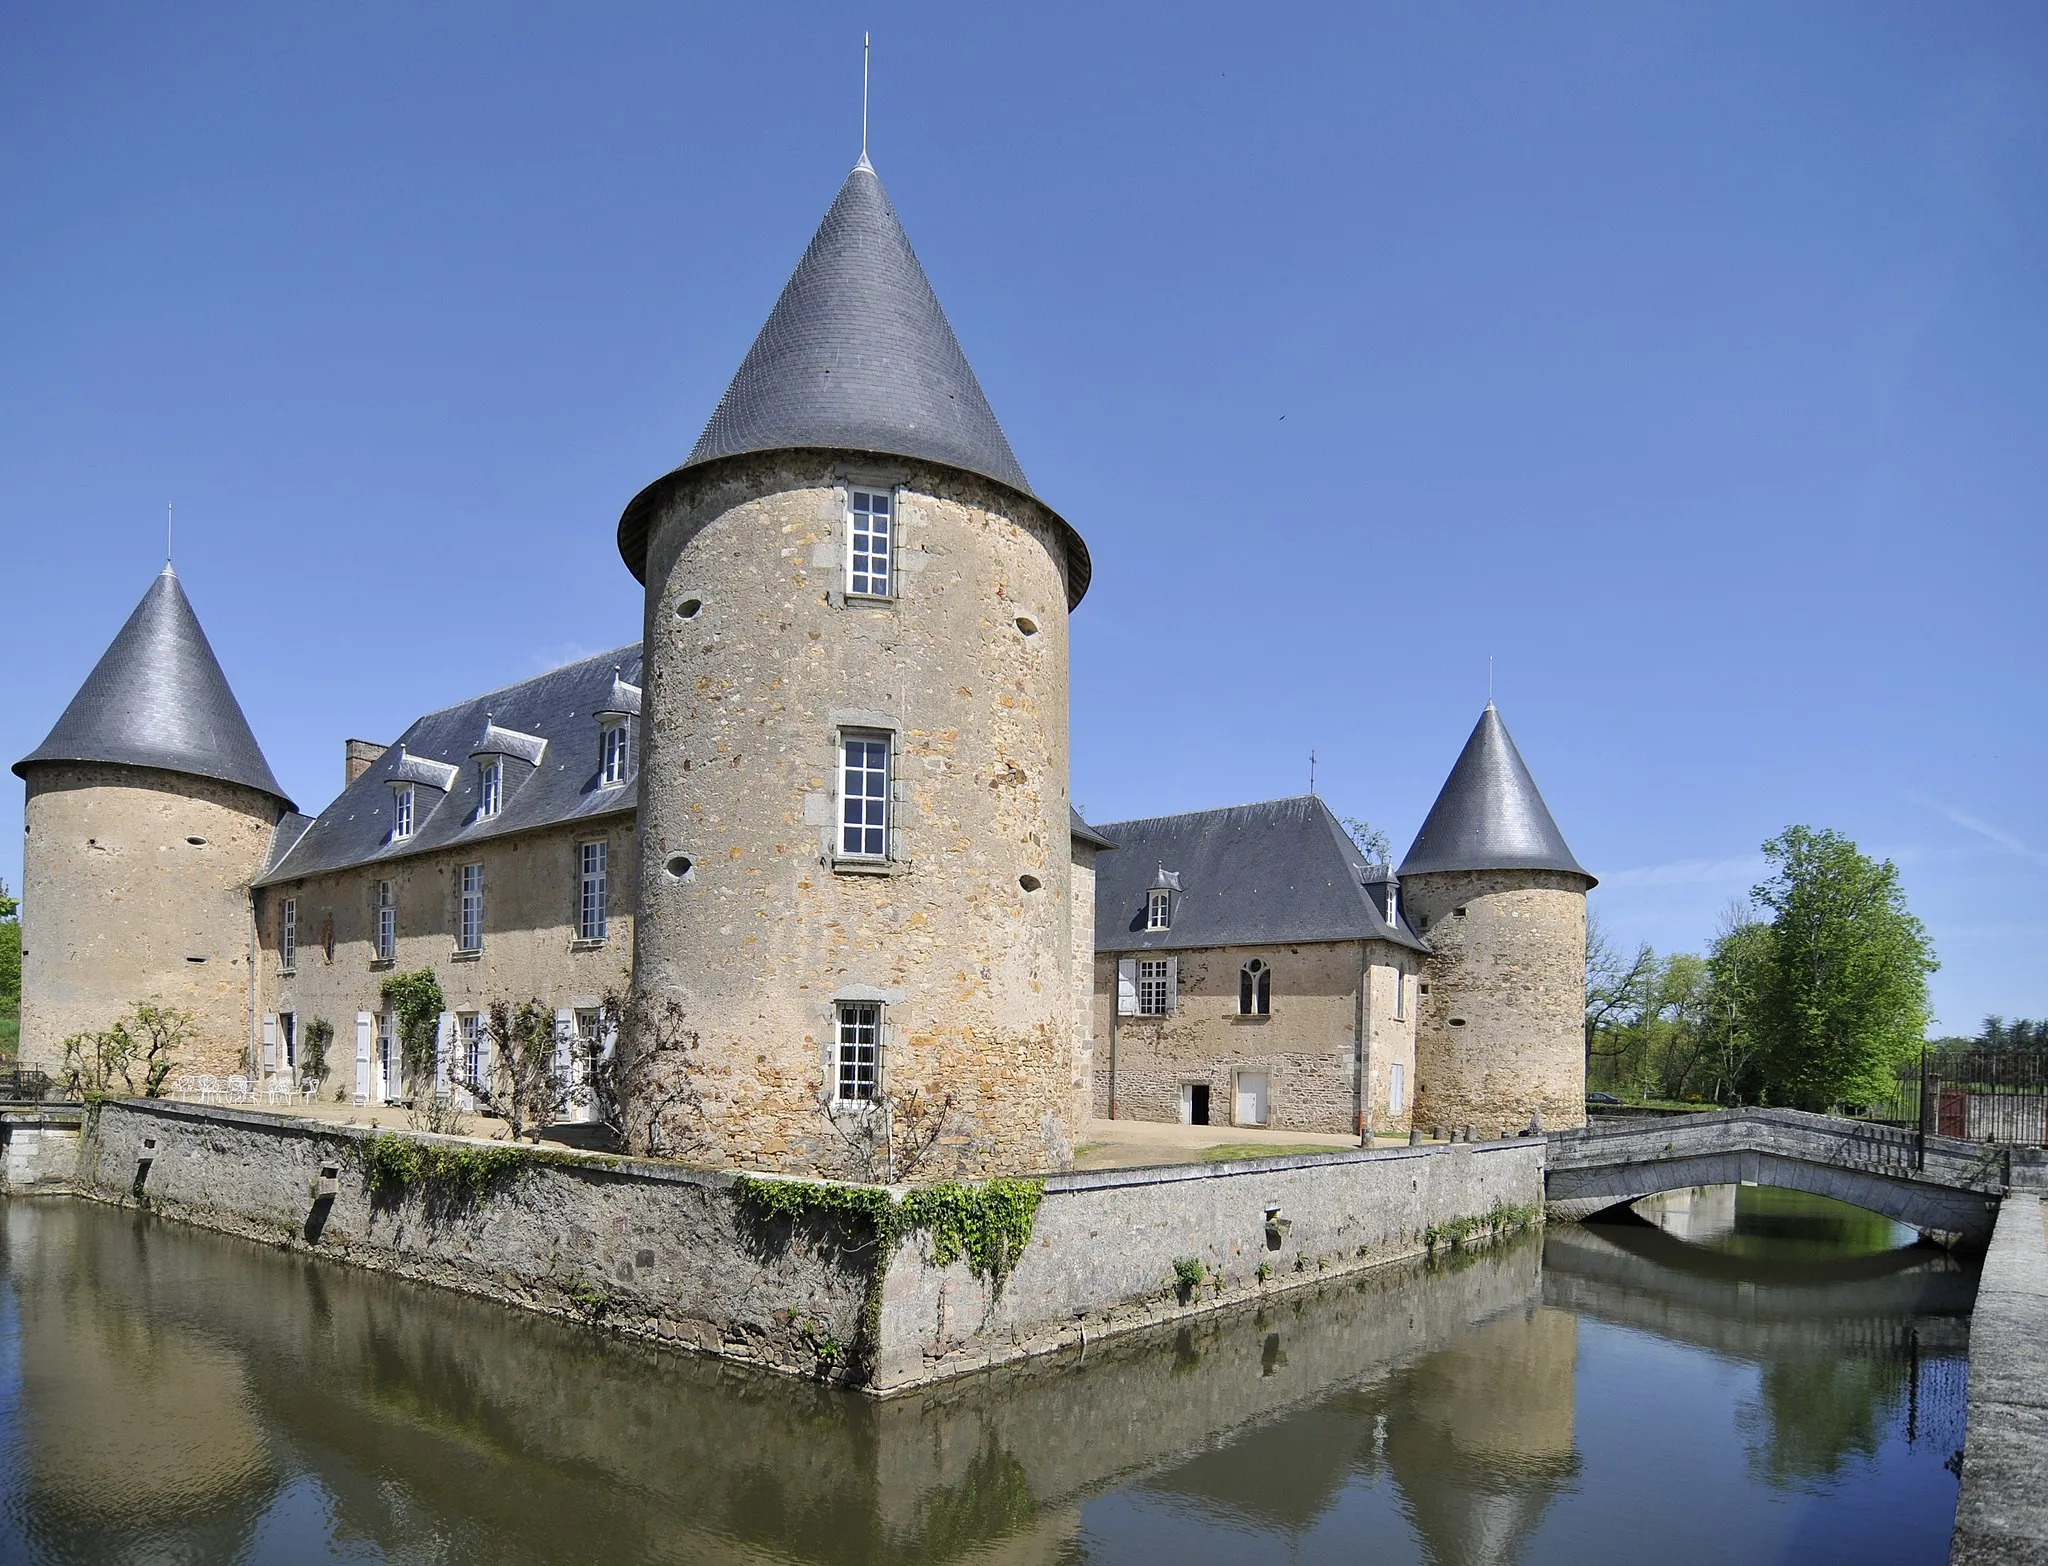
499, 741
1489, 815
856, 356
157, 698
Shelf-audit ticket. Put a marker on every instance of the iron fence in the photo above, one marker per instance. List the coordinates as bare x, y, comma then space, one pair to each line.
23, 1085
1976, 1095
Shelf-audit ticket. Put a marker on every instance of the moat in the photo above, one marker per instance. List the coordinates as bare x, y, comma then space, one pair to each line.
1757, 1376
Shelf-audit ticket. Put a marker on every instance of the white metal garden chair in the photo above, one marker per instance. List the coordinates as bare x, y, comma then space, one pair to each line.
238, 1090
208, 1087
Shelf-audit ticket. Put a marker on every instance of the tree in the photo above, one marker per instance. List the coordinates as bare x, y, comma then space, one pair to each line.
10, 973
313, 1048
1615, 993
1736, 965
1371, 841
893, 1136
150, 1038
640, 1075
521, 1086
1843, 994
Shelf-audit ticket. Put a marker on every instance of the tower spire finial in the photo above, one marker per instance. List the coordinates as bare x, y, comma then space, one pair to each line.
167, 532
863, 97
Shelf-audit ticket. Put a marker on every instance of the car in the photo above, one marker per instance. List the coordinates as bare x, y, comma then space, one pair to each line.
1602, 1098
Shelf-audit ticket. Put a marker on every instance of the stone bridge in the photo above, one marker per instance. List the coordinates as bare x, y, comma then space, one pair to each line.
1952, 1189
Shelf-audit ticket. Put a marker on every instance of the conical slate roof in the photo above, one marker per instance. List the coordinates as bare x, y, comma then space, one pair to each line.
157, 698
1489, 815
857, 356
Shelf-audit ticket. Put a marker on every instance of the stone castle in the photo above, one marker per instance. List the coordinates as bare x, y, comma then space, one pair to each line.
823, 805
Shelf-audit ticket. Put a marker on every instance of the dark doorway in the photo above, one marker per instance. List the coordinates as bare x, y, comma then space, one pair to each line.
1198, 1104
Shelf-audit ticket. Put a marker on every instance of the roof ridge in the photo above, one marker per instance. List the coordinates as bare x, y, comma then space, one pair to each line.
1213, 810
499, 690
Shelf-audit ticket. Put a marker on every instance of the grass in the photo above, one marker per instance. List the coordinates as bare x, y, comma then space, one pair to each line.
1234, 1150
10, 1037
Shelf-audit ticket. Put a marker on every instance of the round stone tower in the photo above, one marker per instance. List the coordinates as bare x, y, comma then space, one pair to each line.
855, 865
1502, 902
150, 811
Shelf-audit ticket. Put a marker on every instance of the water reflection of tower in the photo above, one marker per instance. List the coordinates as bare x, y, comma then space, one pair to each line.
1481, 1438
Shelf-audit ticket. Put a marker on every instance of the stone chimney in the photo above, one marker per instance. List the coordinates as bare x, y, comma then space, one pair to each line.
358, 756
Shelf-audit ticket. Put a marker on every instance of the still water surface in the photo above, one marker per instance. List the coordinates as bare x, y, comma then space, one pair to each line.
1756, 1377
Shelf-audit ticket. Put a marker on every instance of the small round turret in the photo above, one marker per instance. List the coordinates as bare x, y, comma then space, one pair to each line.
150, 811
1492, 887
853, 800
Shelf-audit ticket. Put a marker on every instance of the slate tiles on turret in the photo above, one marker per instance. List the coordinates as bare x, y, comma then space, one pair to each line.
1489, 815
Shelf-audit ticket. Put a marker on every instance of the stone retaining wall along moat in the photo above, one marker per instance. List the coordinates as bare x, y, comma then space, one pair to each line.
791, 1275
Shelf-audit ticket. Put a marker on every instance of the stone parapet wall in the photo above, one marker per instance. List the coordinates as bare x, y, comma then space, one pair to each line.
135, 887
2002, 1506
680, 1257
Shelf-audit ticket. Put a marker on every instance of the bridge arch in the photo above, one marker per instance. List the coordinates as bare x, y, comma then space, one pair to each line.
1946, 1191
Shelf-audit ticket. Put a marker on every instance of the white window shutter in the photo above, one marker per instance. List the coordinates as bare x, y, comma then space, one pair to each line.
444, 1046
1127, 986
269, 1041
365, 1030
1172, 985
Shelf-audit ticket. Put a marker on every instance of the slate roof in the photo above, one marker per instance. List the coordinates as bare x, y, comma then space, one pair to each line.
1085, 832
157, 698
1489, 815
1251, 875
558, 709
857, 355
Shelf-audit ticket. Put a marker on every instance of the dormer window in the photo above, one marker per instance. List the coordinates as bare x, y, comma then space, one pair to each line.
1394, 906
870, 543
401, 812
614, 751
490, 788
1159, 909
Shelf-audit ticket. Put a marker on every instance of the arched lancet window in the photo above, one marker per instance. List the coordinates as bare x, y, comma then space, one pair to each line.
1255, 989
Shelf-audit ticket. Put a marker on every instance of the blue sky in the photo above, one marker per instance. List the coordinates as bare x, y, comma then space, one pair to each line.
1687, 361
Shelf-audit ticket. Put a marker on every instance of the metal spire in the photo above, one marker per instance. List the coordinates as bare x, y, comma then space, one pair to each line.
863, 97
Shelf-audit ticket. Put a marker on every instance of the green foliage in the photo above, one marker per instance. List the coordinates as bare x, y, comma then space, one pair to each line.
987, 1223
1188, 1273
1842, 994
456, 1175
416, 1002
1490, 1227
2020, 1033
10, 974
313, 1047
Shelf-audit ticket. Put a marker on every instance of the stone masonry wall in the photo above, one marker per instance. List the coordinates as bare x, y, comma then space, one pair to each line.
532, 889
1082, 921
755, 664
1306, 1046
1501, 1031
135, 887
674, 1256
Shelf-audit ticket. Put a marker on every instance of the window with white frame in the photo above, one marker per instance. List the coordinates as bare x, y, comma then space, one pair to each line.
1400, 996
288, 934
1158, 908
593, 893
870, 540
385, 931
387, 1052
857, 1066
1155, 987
469, 924
1255, 989
469, 1032
490, 787
864, 796
401, 812
615, 749
1393, 907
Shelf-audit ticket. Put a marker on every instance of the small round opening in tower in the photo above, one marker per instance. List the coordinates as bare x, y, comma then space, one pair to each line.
196, 842
687, 609
1030, 883
195, 959
1027, 625
678, 867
